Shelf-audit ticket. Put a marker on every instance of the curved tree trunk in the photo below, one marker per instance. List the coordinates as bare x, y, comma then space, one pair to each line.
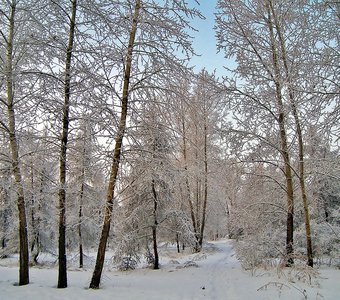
95, 281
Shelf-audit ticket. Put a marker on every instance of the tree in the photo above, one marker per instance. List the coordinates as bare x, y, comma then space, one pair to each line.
273, 22
10, 71
239, 22
62, 275
95, 281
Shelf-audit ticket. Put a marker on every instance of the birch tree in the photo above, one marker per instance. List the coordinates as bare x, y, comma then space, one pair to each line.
273, 22
12, 61
117, 152
62, 274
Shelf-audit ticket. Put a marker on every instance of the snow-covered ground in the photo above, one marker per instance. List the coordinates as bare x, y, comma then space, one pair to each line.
213, 274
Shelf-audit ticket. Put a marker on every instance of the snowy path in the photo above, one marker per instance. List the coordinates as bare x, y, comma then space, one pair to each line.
217, 275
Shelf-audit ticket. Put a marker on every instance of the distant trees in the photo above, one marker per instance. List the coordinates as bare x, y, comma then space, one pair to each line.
197, 125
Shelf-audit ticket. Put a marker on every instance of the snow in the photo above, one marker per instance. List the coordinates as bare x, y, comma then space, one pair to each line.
215, 273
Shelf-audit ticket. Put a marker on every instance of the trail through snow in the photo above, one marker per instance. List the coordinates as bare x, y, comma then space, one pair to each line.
215, 273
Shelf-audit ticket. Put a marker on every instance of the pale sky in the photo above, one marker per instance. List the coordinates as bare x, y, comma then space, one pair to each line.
205, 41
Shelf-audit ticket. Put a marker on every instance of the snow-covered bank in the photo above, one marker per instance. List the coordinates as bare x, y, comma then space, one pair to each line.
213, 274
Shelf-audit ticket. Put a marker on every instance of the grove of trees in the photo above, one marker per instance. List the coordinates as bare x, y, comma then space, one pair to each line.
110, 140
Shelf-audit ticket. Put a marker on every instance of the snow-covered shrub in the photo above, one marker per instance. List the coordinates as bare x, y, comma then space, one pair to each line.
127, 247
250, 257
262, 250
326, 238
127, 263
189, 264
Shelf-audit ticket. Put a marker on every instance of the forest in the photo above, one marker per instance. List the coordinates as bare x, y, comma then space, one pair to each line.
110, 140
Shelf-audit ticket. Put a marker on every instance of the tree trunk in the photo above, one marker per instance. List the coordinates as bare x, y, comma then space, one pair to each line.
62, 274
4, 198
95, 281
205, 187
284, 144
191, 206
177, 243
80, 220
198, 211
300, 141
38, 219
35, 230
154, 227
23, 239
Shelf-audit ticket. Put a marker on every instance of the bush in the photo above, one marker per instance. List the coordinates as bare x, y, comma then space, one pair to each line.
127, 263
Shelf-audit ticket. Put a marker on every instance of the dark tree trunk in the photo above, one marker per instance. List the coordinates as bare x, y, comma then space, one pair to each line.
155, 249
80, 220
62, 274
177, 243
81, 199
81, 255
95, 281
198, 197
198, 208
154, 227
